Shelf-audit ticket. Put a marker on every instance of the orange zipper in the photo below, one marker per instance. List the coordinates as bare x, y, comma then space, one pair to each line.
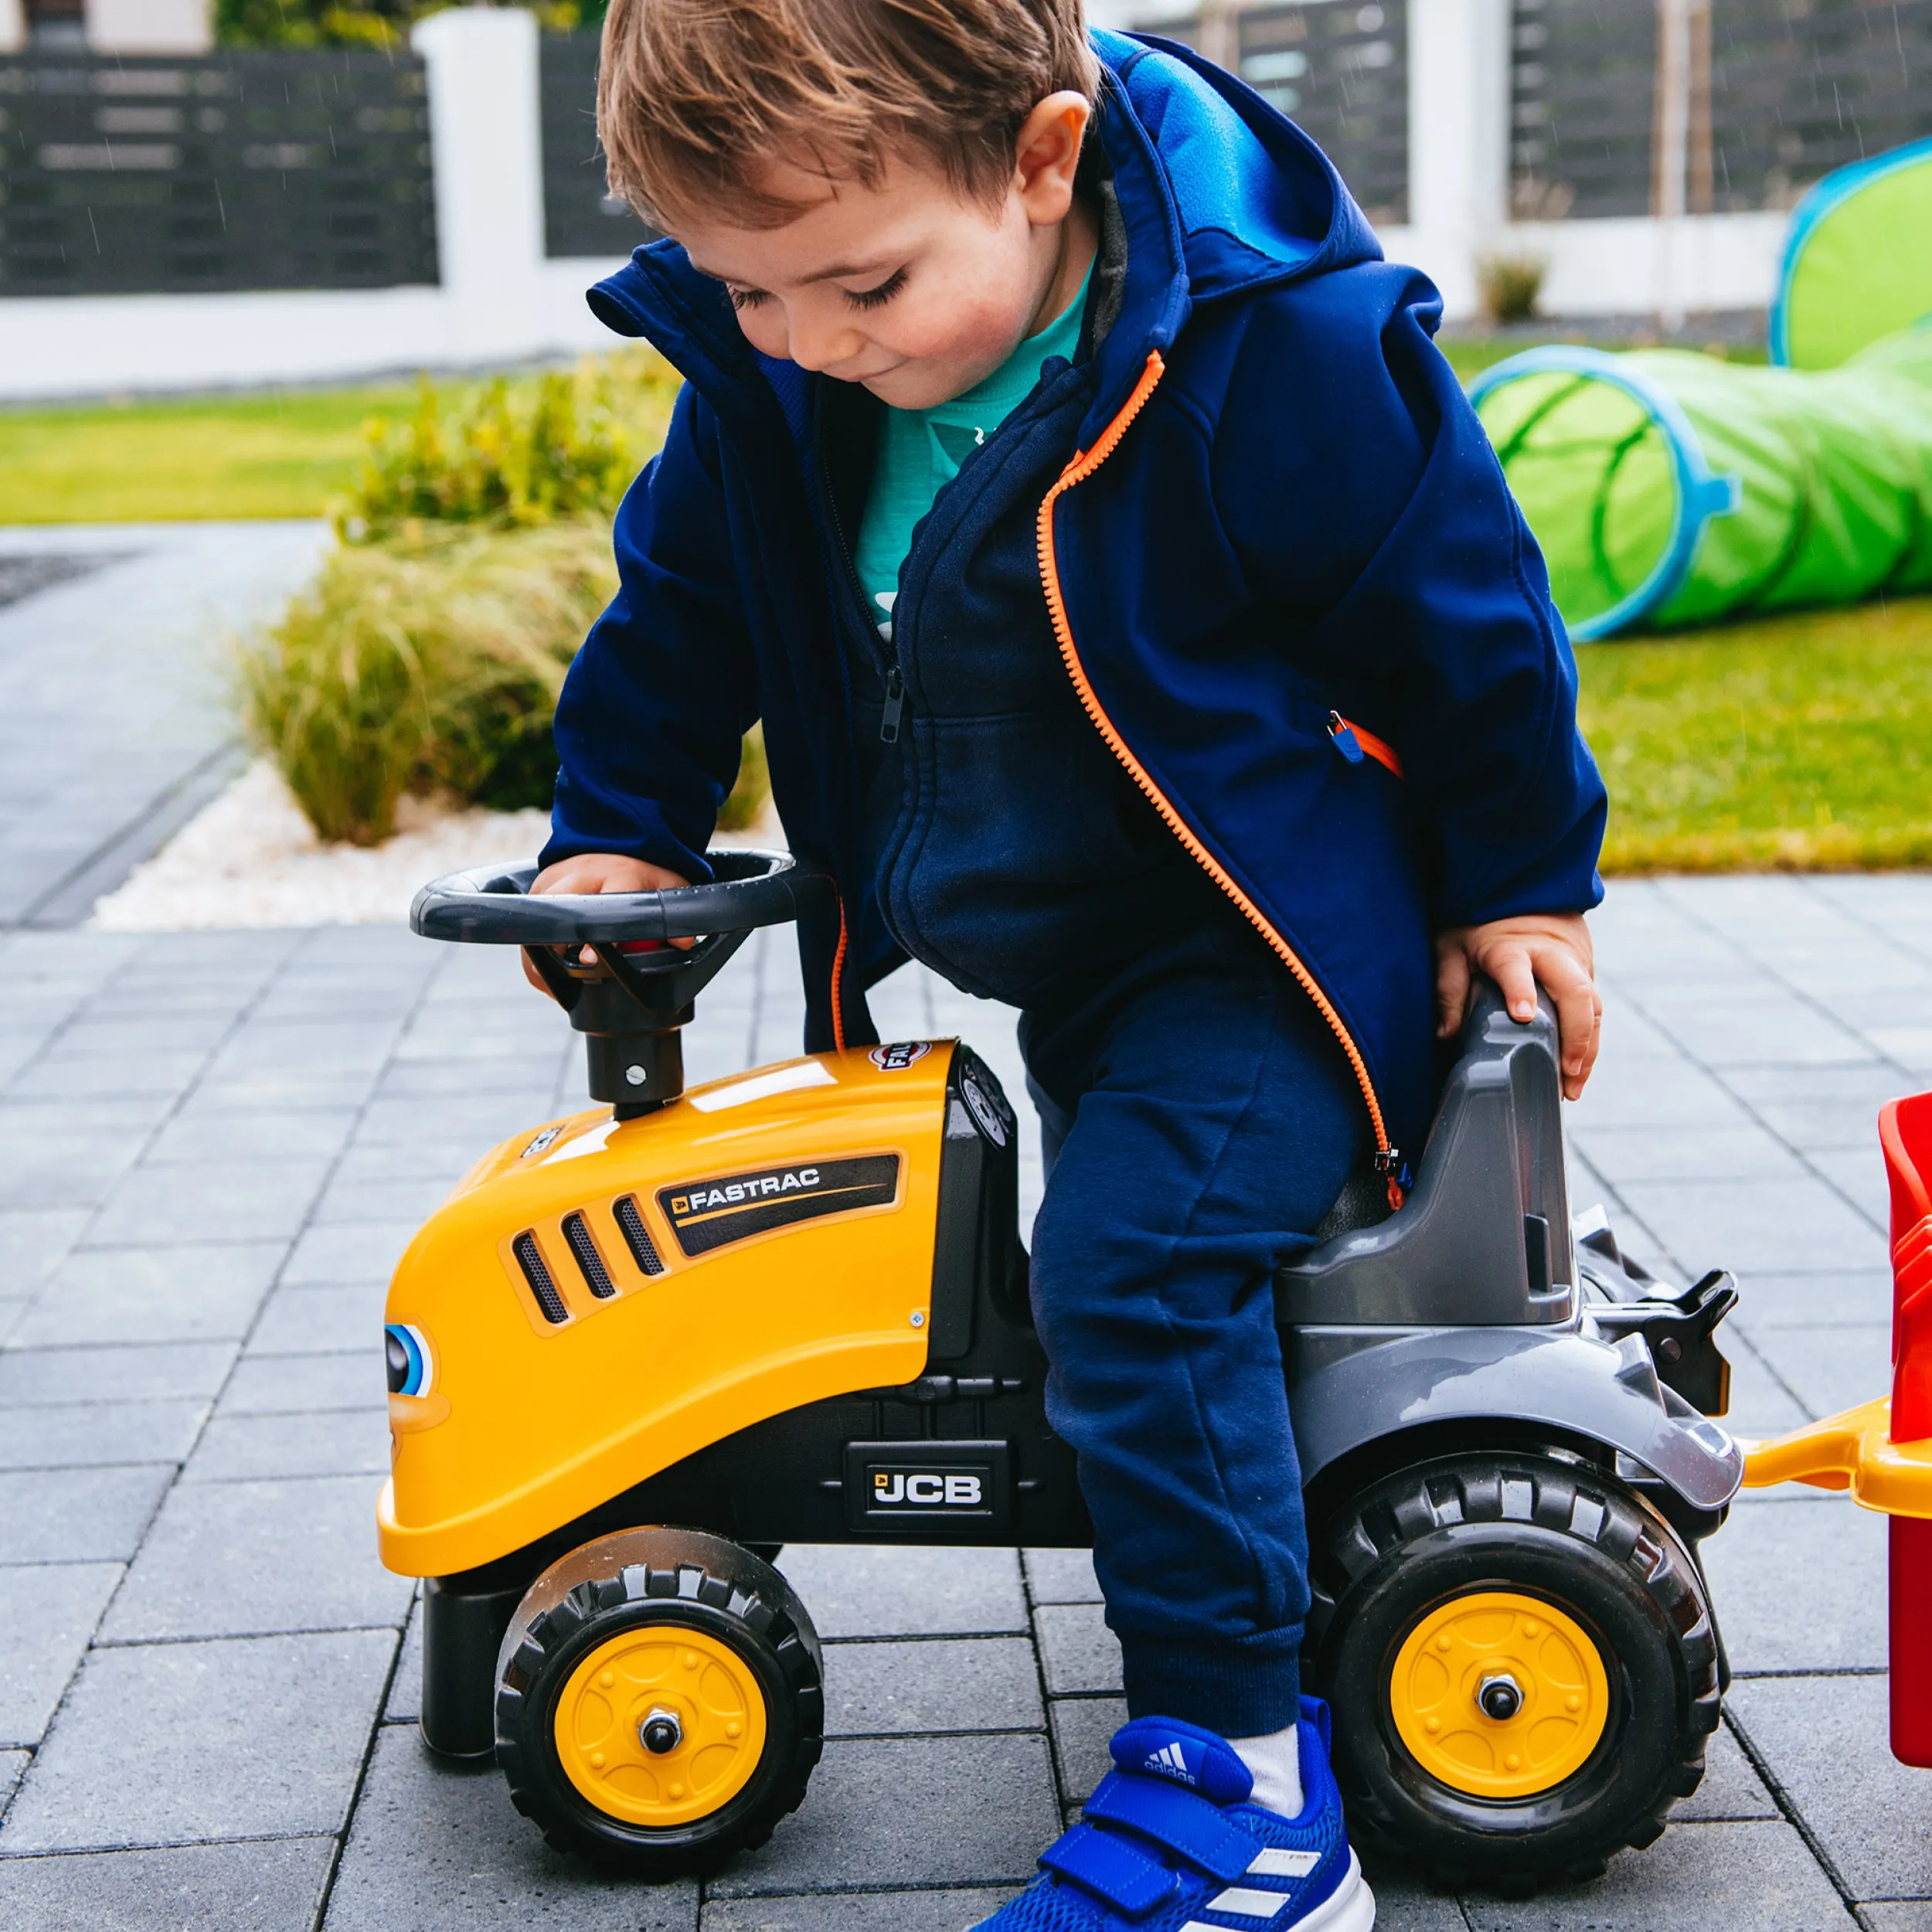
838, 989
1078, 470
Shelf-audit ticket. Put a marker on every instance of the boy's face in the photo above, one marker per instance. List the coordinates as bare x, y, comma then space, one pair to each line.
907, 288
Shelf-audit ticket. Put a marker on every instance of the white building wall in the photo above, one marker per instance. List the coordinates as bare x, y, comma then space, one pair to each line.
150, 26
13, 25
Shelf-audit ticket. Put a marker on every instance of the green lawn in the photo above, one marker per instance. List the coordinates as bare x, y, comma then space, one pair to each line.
281, 454
1794, 743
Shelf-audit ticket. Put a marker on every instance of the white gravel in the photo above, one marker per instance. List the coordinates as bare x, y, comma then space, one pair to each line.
251, 859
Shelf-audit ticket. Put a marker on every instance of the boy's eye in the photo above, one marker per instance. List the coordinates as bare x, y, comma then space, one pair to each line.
745, 298
877, 298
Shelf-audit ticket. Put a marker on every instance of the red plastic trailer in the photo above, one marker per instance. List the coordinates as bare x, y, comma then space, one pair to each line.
1881, 1450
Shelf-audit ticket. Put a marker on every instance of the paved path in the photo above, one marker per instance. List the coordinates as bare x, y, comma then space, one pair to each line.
114, 728
212, 1149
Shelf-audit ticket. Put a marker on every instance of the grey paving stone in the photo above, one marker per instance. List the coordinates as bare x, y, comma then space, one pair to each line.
405, 1705
1062, 1576
173, 1743
910, 1811
78, 1516
80, 1434
974, 1684
69, 1077
435, 1845
255, 1200
1742, 1225
1823, 1107
1898, 1915
331, 1320
1744, 1151
1742, 1877
33, 1242
1826, 1740
356, 1253
1078, 1652
410, 1199
445, 1161
272, 1887
199, 1137
282, 1384
1404, 1904
332, 1442
225, 1559
46, 1167
1083, 1728
1829, 1369
1801, 1586
30, 1376
13, 1767
124, 1034
131, 1294
1849, 1297
52, 1609
1731, 1788
1761, 1405
879, 1591
938, 1911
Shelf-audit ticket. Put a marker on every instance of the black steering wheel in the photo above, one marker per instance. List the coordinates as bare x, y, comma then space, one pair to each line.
748, 889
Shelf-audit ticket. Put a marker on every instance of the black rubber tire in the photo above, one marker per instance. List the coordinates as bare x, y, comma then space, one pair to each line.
1544, 1525
689, 1580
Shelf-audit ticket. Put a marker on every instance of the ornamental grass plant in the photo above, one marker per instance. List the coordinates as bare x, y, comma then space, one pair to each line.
430, 664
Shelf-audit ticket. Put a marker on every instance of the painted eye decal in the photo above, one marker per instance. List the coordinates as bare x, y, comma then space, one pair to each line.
407, 1350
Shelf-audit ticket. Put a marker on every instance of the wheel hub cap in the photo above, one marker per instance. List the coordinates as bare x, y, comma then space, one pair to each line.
1499, 1695
658, 1726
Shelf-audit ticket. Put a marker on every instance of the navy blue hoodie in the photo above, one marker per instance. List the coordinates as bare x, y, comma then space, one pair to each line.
1277, 509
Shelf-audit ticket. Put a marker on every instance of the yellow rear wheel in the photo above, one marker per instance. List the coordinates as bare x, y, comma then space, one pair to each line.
660, 1726
1499, 1695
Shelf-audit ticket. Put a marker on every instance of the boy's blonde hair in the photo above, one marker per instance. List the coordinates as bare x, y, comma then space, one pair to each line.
697, 98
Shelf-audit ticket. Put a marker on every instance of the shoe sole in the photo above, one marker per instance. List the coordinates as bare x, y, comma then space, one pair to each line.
1350, 1907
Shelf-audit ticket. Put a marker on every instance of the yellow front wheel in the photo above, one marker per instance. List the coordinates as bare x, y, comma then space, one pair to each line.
661, 1704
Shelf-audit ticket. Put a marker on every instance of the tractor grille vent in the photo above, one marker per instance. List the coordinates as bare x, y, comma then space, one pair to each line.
596, 1277
638, 1236
530, 1259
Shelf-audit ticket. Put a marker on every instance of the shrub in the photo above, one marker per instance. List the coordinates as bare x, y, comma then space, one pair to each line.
1510, 286
430, 666
513, 453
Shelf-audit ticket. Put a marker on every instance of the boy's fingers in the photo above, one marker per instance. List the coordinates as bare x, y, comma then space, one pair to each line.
1452, 987
1510, 967
1580, 1013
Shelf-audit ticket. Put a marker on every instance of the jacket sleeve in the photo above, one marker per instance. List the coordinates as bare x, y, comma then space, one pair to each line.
1363, 500
656, 705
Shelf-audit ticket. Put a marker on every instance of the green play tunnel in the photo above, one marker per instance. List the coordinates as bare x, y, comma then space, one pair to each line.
1668, 487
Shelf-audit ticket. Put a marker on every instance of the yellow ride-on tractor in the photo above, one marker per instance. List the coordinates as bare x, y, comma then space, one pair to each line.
642, 1348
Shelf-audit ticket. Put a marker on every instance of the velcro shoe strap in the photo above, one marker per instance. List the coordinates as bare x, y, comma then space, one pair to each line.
1113, 1869
1177, 1819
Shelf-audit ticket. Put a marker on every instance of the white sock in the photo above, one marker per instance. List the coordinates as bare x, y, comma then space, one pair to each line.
1275, 1762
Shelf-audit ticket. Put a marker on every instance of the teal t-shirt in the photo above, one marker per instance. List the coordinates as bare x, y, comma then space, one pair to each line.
920, 451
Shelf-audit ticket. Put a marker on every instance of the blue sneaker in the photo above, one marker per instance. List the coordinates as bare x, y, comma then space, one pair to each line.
1170, 1843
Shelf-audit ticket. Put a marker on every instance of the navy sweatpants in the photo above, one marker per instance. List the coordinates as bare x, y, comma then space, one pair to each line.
1199, 1119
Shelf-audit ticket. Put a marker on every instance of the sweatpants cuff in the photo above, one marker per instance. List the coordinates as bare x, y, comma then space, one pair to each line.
1248, 1689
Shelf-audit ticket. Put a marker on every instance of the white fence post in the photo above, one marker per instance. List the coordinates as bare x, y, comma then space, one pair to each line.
486, 132
1458, 140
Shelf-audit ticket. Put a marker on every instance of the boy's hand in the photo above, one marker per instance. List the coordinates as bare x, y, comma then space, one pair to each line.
1550, 949
600, 872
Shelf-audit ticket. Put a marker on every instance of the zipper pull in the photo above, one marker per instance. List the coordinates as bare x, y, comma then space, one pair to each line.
1346, 741
896, 706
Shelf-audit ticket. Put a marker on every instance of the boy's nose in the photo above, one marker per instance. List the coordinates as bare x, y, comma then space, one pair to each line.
822, 347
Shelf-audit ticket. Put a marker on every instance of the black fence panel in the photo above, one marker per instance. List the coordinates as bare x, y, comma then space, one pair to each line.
1584, 79
1799, 87
580, 218
1796, 88
250, 170
1341, 70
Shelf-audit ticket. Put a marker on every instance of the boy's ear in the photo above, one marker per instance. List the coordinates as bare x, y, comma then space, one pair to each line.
1046, 156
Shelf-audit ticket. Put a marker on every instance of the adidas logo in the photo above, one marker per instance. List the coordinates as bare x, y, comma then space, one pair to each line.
1168, 1762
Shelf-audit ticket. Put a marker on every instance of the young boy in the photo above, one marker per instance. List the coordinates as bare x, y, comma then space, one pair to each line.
1144, 636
